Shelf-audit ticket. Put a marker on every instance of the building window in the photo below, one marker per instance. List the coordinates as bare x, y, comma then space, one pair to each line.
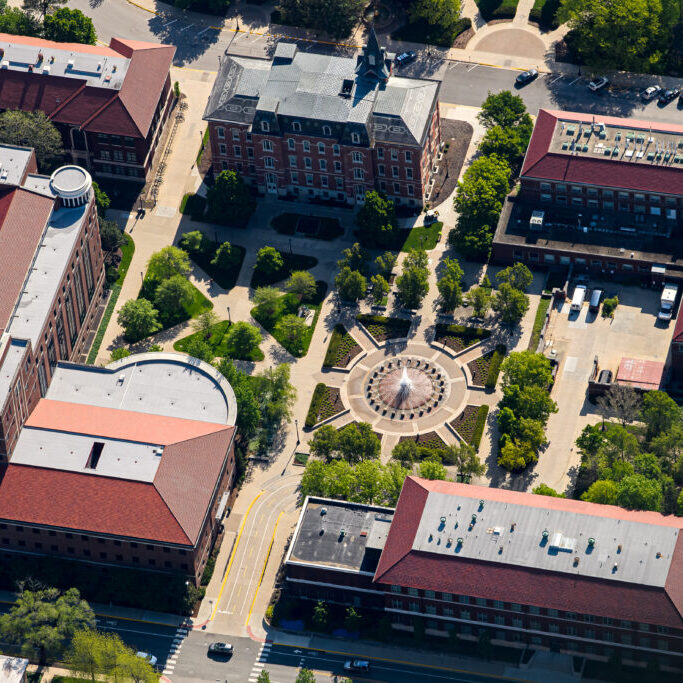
307, 146
545, 187
321, 148
448, 611
292, 162
327, 130
118, 155
105, 154
394, 171
220, 131
464, 599
336, 150
323, 165
340, 183
397, 188
131, 157
409, 157
290, 143
465, 614
248, 137
355, 138
357, 158
380, 153
430, 609
323, 181
409, 173
480, 601
307, 162
237, 151
309, 179
499, 619
411, 190
382, 186
222, 149
380, 169
337, 167
414, 606
358, 174
265, 126
394, 155
412, 591
296, 126
295, 178
269, 162
267, 146
250, 152
396, 589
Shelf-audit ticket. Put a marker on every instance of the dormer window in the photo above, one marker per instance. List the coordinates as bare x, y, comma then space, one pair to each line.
355, 138
296, 127
327, 130
265, 126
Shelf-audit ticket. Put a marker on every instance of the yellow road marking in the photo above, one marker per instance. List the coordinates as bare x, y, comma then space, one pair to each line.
263, 571
232, 556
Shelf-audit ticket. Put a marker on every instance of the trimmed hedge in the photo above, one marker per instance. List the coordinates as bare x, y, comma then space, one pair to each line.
382, 328
462, 335
317, 399
539, 320
497, 9
544, 13
479, 426
494, 366
341, 348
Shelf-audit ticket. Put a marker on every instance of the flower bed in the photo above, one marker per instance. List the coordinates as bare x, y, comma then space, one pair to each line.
459, 337
382, 328
470, 424
486, 368
343, 348
325, 402
428, 440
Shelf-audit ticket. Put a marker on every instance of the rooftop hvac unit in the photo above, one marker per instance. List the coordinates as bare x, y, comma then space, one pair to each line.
70, 64
46, 69
4, 64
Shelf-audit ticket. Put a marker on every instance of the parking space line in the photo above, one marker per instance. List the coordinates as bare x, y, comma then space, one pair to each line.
557, 78
474, 66
186, 27
578, 78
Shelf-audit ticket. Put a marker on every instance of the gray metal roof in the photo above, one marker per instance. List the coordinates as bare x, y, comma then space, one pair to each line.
13, 163
306, 86
507, 533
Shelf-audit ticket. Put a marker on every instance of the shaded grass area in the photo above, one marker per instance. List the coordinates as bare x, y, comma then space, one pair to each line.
325, 402
459, 337
421, 31
497, 9
423, 237
342, 348
202, 148
319, 227
544, 13
288, 304
290, 263
218, 342
383, 328
127, 251
225, 277
193, 205
541, 311
470, 424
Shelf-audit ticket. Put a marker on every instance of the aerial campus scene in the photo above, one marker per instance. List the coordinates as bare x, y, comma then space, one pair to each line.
341, 340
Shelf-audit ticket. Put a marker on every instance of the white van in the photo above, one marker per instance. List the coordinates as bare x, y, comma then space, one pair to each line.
578, 298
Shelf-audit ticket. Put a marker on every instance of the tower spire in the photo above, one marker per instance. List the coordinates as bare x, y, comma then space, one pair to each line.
373, 62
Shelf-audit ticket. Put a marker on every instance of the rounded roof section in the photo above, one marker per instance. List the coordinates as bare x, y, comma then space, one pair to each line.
70, 182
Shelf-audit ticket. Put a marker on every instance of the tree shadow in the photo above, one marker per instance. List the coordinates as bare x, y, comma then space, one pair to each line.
95, 3
189, 45
280, 355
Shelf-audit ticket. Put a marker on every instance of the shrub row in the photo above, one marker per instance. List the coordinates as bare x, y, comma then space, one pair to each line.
479, 426
318, 397
494, 367
333, 349
462, 331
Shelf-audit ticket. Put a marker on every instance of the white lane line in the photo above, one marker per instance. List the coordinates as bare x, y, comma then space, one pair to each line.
578, 78
474, 66
173, 21
186, 27
557, 78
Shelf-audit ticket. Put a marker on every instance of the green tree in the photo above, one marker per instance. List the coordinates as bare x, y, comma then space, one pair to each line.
268, 261
392, 482
416, 258
358, 442
508, 143
545, 490
275, 393
352, 620
517, 276
320, 615
263, 677
42, 7
619, 444
368, 488
647, 465
385, 263
502, 109
248, 408
379, 288
33, 129
139, 319
443, 13
609, 35
510, 303
301, 283
102, 201
350, 284
480, 300
267, 299
305, 676
192, 241
341, 480
406, 452
45, 621
450, 284
432, 468
229, 199
529, 401
119, 353
376, 219
204, 323
111, 236
466, 460
293, 329
621, 402
637, 492
325, 442
172, 296
516, 455
314, 479
660, 413
355, 257
18, 22
224, 257
526, 368
69, 26
603, 491
242, 340
168, 262
335, 17
198, 348
413, 283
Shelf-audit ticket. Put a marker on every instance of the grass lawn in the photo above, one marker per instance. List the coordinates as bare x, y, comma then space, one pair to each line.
497, 9
542, 309
423, 237
205, 142
544, 13
218, 343
290, 263
224, 277
127, 251
319, 227
289, 305
421, 32
301, 458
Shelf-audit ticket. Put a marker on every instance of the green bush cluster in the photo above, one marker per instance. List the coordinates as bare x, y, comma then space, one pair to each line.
382, 328
495, 363
459, 337
544, 13
609, 306
317, 398
479, 426
497, 9
420, 31
341, 345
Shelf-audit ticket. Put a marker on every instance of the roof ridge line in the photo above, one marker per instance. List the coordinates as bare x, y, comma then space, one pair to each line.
69, 99
168, 507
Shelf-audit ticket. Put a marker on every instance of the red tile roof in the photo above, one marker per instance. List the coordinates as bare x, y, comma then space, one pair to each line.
23, 217
170, 509
401, 565
542, 164
128, 111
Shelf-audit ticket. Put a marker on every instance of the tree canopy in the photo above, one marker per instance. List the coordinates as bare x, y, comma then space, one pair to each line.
167, 262
510, 303
33, 129
350, 284
242, 339
69, 26
376, 219
503, 109
413, 283
335, 17
449, 284
268, 260
436, 12
139, 319
229, 199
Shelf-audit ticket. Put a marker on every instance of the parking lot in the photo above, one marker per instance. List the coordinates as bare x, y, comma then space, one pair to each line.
576, 339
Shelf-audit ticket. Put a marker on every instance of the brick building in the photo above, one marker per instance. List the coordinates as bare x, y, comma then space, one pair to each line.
315, 126
51, 280
126, 465
109, 103
602, 194
589, 580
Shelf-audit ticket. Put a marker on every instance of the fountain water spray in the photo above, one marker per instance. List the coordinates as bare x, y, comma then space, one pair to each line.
405, 385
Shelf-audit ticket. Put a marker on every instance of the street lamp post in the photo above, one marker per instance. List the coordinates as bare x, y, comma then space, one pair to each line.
229, 319
296, 424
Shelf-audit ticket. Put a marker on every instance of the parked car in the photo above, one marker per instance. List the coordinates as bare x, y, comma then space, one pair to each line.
669, 95
596, 298
220, 649
650, 93
598, 83
526, 77
405, 58
431, 216
148, 657
357, 665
